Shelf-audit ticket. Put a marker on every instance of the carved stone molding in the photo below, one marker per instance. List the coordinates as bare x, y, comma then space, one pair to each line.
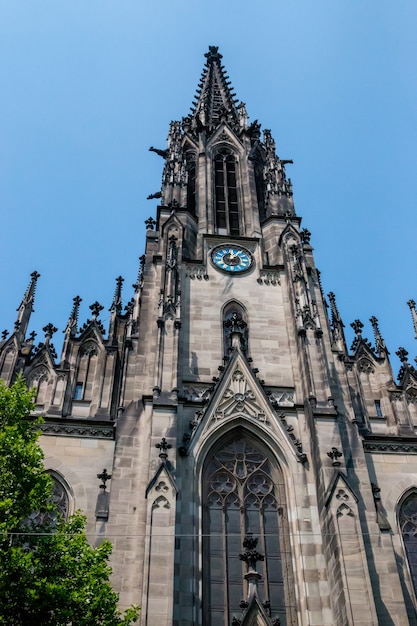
365, 366
198, 272
390, 447
196, 392
396, 395
65, 429
286, 397
239, 397
269, 277
411, 395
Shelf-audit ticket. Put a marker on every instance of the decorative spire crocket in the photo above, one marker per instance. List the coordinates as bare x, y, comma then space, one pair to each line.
412, 305
215, 100
26, 308
337, 324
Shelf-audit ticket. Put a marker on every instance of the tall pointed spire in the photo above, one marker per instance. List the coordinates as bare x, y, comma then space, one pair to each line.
215, 99
26, 308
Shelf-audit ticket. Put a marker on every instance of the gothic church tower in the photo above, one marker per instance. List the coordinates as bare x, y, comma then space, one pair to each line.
247, 479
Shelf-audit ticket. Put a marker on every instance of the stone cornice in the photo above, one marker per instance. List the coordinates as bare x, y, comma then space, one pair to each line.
77, 428
390, 445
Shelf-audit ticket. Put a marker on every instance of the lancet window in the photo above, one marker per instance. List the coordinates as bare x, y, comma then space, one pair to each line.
191, 182
408, 526
260, 187
225, 192
244, 493
38, 380
61, 501
83, 389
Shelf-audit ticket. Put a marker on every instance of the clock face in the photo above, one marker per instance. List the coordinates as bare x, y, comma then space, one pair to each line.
232, 259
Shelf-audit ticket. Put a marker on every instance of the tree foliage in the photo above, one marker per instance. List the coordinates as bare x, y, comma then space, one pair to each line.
49, 573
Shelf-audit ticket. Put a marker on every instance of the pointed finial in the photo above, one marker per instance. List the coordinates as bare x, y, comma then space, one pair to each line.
163, 446
49, 330
336, 318
30, 291
26, 307
139, 282
379, 342
213, 54
402, 354
251, 556
72, 323
357, 327
95, 308
116, 306
412, 305
150, 223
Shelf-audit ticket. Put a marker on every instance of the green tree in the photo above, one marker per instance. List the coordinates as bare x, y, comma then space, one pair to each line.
49, 574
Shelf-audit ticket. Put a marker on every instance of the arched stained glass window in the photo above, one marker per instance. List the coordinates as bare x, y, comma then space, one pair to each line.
226, 204
61, 501
244, 493
408, 526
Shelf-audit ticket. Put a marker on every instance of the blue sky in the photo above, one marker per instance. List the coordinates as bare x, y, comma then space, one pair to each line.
87, 86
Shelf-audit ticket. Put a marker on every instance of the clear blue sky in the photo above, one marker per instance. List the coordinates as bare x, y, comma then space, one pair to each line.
88, 85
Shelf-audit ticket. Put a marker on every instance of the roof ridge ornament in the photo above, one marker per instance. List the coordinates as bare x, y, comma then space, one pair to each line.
213, 54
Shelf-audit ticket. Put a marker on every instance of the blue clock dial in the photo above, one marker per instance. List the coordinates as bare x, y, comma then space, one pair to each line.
232, 259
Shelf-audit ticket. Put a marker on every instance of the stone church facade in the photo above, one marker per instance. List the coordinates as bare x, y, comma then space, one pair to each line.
257, 471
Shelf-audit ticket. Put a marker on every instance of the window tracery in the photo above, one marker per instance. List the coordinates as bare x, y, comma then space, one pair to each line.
244, 493
225, 192
87, 365
191, 181
408, 526
61, 501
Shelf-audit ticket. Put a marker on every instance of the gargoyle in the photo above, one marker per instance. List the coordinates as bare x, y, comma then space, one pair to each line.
162, 153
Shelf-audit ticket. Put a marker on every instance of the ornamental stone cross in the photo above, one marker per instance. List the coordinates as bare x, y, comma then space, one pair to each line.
163, 446
104, 477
